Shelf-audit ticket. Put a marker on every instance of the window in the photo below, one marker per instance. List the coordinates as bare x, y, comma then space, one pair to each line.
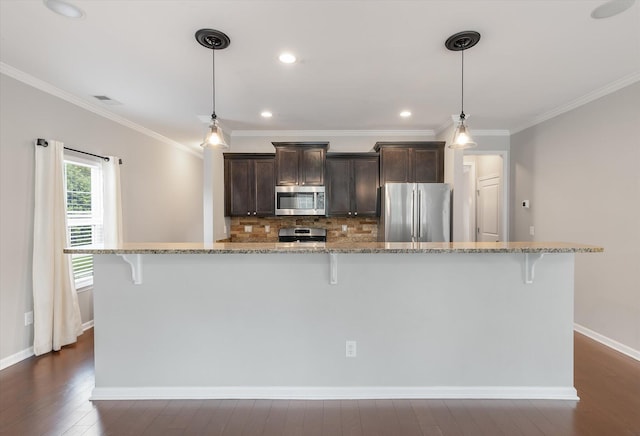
83, 186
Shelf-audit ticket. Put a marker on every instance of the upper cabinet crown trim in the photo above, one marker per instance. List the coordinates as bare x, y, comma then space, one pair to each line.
412, 144
324, 145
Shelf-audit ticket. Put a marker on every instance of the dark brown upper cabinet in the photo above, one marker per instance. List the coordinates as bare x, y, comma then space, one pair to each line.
411, 161
352, 184
249, 184
300, 163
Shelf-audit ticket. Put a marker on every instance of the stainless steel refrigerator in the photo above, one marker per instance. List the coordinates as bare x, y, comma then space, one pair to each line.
415, 212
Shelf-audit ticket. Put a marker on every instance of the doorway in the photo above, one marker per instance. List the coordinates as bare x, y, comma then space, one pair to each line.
484, 198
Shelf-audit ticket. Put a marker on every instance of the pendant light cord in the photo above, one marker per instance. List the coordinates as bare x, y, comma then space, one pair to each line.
462, 86
213, 80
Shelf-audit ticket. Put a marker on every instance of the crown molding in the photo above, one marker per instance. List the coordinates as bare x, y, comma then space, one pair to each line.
48, 88
581, 101
495, 132
338, 133
476, 132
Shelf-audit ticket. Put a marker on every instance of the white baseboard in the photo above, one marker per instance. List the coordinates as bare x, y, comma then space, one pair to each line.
611, 343
335, 393
25, 354
15, 358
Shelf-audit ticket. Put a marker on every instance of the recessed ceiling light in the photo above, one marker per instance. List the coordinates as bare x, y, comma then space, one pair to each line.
405, 114
287, 58
266, 114
63, 8
611, 8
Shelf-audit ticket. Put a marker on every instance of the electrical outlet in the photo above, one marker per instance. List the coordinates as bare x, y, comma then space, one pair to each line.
28, 318
344, 227
351, 350
248, 229
267, 228
532, 231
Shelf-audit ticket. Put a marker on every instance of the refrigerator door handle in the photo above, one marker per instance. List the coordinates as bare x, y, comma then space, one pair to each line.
419, 215
413, 214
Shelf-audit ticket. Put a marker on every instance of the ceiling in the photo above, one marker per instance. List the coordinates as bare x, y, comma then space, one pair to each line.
360, 62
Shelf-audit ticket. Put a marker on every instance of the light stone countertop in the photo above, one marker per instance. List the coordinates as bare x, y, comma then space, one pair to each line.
348, 247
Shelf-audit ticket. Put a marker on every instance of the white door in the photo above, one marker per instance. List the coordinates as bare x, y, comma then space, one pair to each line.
489, 212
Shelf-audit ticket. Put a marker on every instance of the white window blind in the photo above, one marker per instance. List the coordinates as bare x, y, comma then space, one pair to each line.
83, 183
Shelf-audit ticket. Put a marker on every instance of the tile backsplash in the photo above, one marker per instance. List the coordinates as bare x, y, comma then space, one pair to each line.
358, 229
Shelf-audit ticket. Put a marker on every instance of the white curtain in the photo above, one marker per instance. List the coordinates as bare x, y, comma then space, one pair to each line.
55, 302
112, 223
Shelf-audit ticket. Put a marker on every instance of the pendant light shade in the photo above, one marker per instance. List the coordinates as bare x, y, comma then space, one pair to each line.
461, 136
460, 42
214, 40
214, 136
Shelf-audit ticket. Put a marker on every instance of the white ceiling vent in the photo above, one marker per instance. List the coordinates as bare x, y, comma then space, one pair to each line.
107, 100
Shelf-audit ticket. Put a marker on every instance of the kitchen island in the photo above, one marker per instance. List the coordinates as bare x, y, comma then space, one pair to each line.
420, 320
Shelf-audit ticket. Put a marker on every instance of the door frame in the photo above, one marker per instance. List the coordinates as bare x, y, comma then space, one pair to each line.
505, 184
470, 188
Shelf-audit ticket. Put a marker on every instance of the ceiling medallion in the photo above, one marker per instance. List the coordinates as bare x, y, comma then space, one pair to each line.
462, 40
213, 39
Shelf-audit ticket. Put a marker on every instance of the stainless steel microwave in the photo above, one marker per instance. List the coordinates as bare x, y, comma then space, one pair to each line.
300, 200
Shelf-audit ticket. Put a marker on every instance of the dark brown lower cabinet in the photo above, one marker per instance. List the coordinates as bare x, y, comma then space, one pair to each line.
352, 184
249, 184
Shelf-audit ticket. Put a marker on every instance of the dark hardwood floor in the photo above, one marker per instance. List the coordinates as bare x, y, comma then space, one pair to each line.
48, 395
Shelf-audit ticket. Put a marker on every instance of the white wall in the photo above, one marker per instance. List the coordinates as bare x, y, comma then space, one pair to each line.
162, 191
488, 165
581, 173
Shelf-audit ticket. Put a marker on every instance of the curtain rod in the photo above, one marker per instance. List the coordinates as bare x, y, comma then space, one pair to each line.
43, 143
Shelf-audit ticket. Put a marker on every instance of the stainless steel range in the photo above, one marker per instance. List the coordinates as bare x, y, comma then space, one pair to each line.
302, 234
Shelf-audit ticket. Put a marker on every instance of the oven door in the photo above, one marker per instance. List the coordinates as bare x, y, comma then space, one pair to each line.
300, 200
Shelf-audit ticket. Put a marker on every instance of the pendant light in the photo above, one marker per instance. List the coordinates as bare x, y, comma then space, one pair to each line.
214, 40
460, 42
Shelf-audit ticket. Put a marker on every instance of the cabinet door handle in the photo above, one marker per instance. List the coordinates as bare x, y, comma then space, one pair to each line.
254, 213
355, 213
349, 213
248, 213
